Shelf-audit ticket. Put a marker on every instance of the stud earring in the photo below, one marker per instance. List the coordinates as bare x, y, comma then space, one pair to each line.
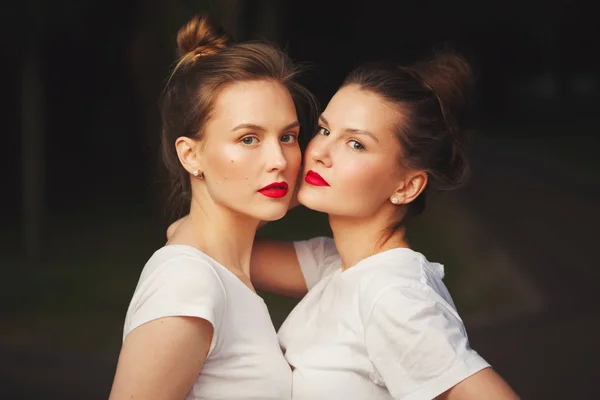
395, 200
198, 174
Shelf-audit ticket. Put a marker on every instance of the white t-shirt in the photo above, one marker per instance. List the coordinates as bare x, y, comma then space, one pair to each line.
384, 329
245, 360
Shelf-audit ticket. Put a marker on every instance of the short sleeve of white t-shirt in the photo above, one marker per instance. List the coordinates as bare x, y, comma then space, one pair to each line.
418, 344
179, 286
317, 257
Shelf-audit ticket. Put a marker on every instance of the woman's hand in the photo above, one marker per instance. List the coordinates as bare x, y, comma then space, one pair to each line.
173, 227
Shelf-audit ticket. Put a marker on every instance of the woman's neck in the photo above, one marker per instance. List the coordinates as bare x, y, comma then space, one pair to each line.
220, 233
359, 238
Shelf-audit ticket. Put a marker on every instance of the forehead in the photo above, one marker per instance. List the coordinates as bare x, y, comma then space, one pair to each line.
353, 107
259, 102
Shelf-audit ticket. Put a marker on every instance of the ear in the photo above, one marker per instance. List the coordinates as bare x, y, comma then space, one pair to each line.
188, 152
410, 188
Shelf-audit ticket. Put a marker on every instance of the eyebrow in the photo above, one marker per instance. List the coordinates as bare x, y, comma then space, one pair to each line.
362, 132
259, 128
355, 131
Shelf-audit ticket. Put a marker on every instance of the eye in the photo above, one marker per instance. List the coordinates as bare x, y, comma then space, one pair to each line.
322, 131
249, 140
289, 138
356, 145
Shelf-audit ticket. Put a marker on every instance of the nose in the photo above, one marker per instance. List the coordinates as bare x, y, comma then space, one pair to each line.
276, 160
319, 151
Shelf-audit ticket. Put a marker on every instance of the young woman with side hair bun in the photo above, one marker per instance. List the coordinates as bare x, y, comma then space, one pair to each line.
376, 320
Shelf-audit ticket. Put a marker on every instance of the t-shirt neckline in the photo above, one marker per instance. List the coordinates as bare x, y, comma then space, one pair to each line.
231, 274
387, 254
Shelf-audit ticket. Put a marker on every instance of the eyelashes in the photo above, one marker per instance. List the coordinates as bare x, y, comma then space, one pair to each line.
322, 131
352, 143
288, 138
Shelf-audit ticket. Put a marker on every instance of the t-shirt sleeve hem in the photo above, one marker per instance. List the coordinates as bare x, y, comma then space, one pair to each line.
446, 381
196, 312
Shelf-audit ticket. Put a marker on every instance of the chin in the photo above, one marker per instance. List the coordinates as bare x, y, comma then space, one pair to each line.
274, 213
314, 202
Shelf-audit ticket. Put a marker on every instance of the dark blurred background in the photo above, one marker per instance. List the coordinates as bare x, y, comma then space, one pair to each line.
81, 210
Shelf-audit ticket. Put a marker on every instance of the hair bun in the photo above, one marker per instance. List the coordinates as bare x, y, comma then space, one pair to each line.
200, 37
449, 75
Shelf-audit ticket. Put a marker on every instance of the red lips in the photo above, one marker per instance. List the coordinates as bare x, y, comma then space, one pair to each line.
315, 179
275, 190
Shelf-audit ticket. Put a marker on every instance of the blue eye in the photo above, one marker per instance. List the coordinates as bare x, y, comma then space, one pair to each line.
356, 145
288, 138
250, 140
322, 131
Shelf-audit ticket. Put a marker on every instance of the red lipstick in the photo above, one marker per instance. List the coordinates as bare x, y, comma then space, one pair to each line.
275, 190
315, 179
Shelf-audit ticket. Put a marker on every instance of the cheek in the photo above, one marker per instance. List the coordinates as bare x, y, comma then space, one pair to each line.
228, 162
293, 156
363, 176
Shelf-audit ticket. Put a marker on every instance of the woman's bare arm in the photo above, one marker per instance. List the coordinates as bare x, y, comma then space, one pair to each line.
483, 385
274, 268
162, 359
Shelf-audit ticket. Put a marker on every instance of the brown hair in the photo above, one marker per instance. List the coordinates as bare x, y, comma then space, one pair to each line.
207, 62
433, 96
